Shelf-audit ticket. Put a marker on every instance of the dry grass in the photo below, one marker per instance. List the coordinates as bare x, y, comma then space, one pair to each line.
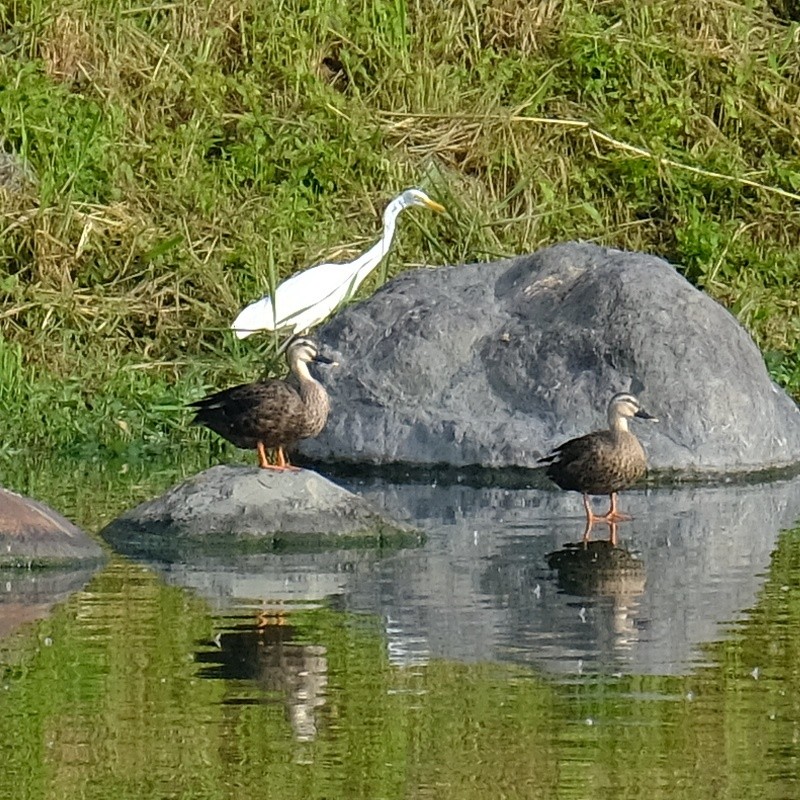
186, 150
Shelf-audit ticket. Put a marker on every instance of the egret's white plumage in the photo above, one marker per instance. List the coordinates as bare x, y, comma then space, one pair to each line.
310, 296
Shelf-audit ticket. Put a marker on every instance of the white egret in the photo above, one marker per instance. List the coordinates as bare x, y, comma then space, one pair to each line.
310, 296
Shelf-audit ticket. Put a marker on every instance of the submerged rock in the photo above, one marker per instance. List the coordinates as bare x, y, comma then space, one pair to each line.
33, 535
495, 364
233, 509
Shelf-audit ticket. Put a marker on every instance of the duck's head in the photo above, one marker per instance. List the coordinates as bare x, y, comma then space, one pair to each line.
304, 350
623, 406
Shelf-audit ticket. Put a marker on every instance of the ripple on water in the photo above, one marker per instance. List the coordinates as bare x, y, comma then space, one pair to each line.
465, 668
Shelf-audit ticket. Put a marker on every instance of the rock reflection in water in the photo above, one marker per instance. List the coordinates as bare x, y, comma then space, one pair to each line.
266, 655
28, 595
481, 588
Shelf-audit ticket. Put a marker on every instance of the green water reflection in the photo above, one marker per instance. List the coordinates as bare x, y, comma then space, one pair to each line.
132, 689
135, 689
94, 491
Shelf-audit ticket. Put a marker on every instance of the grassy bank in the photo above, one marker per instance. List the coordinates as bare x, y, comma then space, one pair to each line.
186, 151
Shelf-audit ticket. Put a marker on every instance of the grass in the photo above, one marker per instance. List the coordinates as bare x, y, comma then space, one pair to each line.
190, 152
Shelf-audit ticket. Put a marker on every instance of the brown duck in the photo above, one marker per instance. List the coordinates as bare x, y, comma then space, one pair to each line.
603, 462
270, 413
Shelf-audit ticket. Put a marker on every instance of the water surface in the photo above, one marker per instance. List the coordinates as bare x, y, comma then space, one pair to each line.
463, 668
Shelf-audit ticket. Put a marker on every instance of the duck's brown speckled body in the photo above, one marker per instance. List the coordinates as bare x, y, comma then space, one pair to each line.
271, 413
603, 462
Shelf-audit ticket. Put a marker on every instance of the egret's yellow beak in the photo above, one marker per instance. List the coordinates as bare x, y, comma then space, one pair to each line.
434, 206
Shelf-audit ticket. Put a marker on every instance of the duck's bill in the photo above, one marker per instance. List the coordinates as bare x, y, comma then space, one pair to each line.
642, 414
320, 359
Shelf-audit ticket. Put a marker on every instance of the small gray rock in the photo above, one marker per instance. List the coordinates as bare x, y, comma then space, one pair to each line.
33, 535
16, 174
495, 364
234, 509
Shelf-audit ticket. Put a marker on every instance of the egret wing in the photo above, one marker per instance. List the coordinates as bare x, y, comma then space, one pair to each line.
300, 301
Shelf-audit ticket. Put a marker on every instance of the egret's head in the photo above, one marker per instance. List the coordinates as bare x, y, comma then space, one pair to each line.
305, 350
626, 405
416, 197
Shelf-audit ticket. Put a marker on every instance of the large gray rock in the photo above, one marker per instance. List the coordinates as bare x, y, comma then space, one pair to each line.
494, 364
33, 535
232, 510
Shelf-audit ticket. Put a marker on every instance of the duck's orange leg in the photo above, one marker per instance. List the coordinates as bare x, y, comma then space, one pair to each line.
282, 464
610, 519
591, 517
283, 461
614, 515
262, 456
263, 461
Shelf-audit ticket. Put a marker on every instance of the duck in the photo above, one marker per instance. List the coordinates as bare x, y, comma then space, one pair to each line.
602, 462
272, 413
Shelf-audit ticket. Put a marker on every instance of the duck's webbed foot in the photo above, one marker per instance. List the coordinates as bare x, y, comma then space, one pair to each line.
613, 515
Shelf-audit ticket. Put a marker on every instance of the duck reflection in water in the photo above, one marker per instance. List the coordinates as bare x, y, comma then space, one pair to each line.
265, 653
597, 567
603, 462
614, 578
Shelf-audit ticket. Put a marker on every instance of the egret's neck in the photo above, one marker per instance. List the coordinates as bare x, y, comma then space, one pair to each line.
376, 253
617, 423
389, 219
